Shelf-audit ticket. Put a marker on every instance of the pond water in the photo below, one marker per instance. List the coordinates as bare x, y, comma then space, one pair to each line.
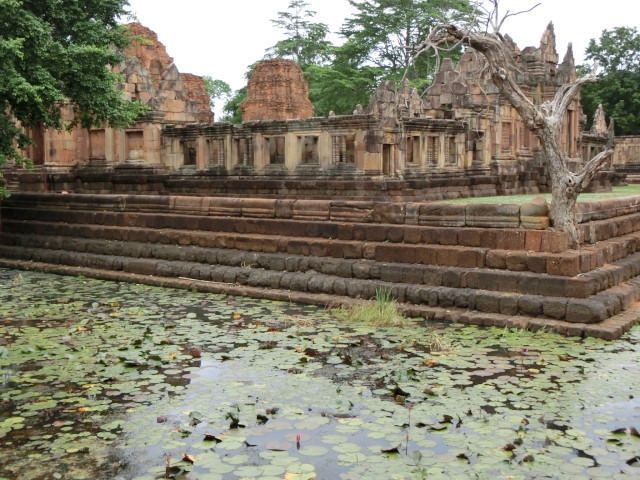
104, 380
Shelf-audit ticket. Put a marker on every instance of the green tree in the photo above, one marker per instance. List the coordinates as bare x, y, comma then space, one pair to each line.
385, 34
216, 89
305, 41
52, 53
339, 88
232, 110
618, 54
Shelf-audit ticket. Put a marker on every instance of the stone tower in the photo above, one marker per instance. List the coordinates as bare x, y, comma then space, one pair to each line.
277, 91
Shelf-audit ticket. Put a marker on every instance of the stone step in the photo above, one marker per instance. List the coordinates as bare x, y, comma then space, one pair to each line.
594, 309
582, 286
568, 264
610, 329
347, 227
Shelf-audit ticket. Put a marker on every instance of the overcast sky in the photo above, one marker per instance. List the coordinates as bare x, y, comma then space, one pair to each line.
220, 38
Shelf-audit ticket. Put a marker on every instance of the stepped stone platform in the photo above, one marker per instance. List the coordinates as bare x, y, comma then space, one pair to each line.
465, 263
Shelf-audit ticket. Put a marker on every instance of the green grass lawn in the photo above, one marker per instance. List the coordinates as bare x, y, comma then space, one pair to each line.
520, 199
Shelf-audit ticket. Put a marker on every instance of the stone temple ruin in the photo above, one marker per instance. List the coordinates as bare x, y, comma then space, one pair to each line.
459, 127
327, 209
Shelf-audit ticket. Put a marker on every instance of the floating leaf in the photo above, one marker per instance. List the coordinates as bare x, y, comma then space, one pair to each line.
188, 458
391, 449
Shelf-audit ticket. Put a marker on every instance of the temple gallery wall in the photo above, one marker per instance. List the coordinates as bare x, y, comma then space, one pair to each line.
459, 126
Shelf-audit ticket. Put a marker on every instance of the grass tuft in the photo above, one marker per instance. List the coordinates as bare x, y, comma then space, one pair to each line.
381, 312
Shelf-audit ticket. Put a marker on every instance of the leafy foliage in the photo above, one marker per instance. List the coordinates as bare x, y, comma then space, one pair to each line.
385, 33
339, 88
232, 107
379, 44
216, 89
618, 53
53, 52
305, 42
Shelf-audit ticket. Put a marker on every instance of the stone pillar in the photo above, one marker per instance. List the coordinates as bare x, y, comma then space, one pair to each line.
260, 152
324, 150
202, 155
292, 151
109, 145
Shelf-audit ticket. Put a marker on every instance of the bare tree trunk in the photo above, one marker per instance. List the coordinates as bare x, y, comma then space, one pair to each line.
545, 120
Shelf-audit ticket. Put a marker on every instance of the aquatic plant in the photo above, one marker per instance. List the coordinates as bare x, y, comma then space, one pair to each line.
381, 312
98, 380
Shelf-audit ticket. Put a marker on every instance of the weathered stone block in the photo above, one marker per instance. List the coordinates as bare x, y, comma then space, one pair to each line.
396, 234
470, 258
470, 237
535, 223
389, 213
567, 264
530, 305
555, 307
493, 215
533, 241
259, 207
487, 302
375, 233
412, 274
585, 311
448, 256
517, 261
554, 242
345, 231
580, 287
406, 253
448, 236
443, 215
391, 273
225, 207
361, 270
538, 207
509, 303
496, 259
311, 210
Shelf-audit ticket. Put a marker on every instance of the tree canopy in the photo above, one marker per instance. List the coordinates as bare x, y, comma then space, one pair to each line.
379, 41
53, 53
618, 54
305, 41
216, 89
385, 34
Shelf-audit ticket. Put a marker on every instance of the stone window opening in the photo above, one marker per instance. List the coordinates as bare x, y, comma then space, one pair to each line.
506, 137
343, 149
216, 152
190, 152
450, 153
413, 149
276, 149
244, 148
97, 144
525, 138
309, 150
135, 145
432, 151
387, 159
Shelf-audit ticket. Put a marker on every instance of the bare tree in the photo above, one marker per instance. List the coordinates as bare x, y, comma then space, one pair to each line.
544, 120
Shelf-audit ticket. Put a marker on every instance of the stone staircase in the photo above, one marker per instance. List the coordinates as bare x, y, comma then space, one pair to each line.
492, 276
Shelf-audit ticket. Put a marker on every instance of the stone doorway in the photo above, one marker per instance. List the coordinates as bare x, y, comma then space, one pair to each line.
387, 159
